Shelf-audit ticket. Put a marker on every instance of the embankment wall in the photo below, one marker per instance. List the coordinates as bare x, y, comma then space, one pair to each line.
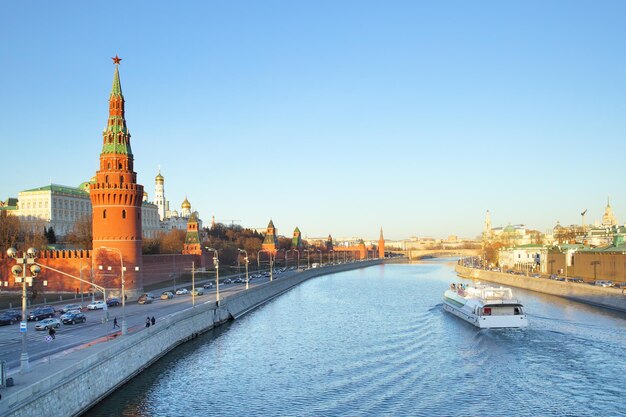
611, 298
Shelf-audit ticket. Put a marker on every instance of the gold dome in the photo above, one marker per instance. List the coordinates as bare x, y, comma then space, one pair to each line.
159, 177
186, 204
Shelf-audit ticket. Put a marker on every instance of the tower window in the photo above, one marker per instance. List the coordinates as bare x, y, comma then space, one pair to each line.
123, 214
106, 179
104, 214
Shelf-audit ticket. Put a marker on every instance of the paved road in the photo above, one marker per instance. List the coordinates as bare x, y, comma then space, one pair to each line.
70, 336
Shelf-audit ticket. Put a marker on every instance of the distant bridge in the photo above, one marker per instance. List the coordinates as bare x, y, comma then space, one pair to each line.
416, 254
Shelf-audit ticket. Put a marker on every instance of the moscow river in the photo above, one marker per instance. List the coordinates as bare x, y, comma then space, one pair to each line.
376, 342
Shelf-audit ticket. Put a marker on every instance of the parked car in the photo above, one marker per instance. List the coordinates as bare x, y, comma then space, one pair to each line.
198, 291
145, 299
96, 305
208, 285
69, 307
167, 295
74, 318
620, 285
182, 291
41, 313
7, 319
68, 314
577, 280
603, 283
47, 324
113, 301
536, 275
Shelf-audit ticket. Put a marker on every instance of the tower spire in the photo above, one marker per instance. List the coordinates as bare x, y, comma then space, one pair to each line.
116, 137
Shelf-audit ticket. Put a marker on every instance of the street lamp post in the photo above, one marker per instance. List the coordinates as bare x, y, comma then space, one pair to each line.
19, 272
216, 262
247, 262
124, 326
321, 260
258, 260
308, 254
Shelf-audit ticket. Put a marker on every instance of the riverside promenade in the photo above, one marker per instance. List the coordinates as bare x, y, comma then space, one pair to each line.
610, 298
75, 380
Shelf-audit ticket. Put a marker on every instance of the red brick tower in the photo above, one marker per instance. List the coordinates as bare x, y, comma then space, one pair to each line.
381, 245
116, 200
270, 242
192, 244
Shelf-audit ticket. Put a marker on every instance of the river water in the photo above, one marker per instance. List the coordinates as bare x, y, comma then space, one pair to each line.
376, 342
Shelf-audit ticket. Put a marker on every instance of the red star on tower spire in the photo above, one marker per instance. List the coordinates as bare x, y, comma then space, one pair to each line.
116, 60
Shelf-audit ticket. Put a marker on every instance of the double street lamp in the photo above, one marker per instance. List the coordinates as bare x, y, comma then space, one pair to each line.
308, 254
27, 261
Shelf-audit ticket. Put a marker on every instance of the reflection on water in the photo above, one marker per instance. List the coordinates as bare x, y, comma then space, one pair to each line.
376, 342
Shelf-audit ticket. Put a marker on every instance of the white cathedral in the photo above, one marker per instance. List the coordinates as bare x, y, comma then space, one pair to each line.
171, 219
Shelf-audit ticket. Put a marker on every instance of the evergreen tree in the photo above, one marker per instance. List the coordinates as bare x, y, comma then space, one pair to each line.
50, 235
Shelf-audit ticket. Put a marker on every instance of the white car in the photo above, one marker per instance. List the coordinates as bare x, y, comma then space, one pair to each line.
47, 324
182, 291
97, 305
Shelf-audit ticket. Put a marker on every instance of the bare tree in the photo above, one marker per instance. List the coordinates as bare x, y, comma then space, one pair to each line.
9, 230
81, 235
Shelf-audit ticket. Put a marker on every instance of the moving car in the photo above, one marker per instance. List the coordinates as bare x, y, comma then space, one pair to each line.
14, 313
113, 301
167, 295
41, 313
208, 285
68, 314
198, 291
146, 298
47, 324
69, 307
74, 318
7, 319
182, 291
96, 305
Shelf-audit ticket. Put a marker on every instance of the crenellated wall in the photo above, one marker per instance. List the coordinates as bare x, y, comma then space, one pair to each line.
106, 270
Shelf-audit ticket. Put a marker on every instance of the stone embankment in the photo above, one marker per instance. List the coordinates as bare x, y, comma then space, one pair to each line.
611, 298
76, 382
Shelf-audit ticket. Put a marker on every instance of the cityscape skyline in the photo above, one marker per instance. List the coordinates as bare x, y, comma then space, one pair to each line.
414, 118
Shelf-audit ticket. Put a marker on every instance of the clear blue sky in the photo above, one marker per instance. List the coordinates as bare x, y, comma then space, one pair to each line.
335, 116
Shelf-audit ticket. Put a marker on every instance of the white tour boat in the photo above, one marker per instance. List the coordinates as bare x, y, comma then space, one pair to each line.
485, 307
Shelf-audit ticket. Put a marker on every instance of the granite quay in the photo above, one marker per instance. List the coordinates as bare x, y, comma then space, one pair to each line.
611, 298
